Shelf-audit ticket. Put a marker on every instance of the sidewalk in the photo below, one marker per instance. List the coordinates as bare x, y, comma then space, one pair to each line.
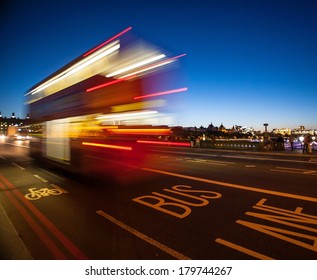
11, 245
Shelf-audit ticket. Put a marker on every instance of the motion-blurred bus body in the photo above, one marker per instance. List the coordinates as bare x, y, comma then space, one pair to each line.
97, 111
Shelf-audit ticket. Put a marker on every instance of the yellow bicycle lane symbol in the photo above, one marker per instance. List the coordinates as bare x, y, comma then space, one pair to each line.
37, 194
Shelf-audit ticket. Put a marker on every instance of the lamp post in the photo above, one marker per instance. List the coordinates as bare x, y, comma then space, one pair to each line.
266, 135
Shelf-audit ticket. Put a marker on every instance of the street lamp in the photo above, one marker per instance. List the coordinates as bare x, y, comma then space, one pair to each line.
266, 136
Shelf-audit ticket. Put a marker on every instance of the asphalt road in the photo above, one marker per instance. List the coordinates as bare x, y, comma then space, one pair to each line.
181, 204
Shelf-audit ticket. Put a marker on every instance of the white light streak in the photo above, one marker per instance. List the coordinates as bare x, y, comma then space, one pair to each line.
78, 66
136, 65
125, 116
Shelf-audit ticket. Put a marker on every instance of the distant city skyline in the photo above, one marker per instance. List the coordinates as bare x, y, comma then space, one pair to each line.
271, 129
247, 62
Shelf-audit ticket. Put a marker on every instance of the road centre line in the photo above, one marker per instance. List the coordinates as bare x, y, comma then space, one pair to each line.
235, 186
243, 249
2, 157
144, 237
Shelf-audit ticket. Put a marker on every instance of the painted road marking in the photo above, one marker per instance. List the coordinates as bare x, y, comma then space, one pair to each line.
40, 178
204, 161
294, 170
212, 163
243, 249
311, 161
24, 207
2, 157
250, 166
179, 206
144, 237
35, 194
235, 186
18, 166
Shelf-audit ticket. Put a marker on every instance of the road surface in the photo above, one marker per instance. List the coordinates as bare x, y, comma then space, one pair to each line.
181, 203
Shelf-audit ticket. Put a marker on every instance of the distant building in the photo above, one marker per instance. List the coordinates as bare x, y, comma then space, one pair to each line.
5, 122
302, 131
282, 131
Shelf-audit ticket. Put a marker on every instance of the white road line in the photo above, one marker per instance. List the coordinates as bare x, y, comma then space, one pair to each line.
235, 186
40, 178
295, 171
2, 157
144, 237
18, 166
208, 162
22, 146
311, 161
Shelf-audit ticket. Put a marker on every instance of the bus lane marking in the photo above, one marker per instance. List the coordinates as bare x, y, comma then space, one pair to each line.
298, 228
179, 203
182, 198
144, 237
292, 226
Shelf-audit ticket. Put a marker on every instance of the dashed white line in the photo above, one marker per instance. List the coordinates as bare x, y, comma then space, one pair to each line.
144, 237
40, 178
18, 166
295, 170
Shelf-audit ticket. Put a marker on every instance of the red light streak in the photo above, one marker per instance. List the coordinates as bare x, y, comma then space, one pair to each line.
107, 146
145, 131
160, 93
108, 41
104, 85
180, 144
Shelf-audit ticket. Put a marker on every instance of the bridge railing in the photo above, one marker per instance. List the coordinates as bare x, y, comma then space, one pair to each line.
248, 145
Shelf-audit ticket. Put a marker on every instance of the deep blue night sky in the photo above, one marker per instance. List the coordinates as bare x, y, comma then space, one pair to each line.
247, 63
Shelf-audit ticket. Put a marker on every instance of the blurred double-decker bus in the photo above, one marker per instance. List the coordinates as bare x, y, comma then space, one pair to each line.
101, 109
